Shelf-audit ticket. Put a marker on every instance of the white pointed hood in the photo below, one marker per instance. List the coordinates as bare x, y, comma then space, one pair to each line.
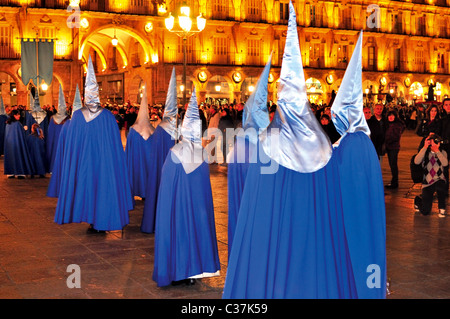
294, 138
189, 150
256, 115
62, 114
142, 124
347, 109
170, 116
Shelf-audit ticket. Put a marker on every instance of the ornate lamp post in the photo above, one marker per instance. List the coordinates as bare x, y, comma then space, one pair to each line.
184, 31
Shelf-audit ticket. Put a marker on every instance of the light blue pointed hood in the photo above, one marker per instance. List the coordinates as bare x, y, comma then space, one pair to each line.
189, 150
76, 105
35, 109
294, 138
92, 107
142, 124
2, 106
62, 107
347, 109
255, 116
170, 116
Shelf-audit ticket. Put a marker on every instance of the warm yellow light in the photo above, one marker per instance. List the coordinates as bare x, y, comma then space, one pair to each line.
251, 88
201, 22
218, 88
185, 23
115, 41
155, 58
74, 3
367, 91
185, 10
391, 91
44, 86
169, 21
84, 23
162, 8
181, 87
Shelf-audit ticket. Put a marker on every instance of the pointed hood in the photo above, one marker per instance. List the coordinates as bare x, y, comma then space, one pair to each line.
170, 116
347, 109
2, 106
142, 124
76, 105
189, 150
191, 128
35, 109
92, 107
294, 138
256, 115
62, 107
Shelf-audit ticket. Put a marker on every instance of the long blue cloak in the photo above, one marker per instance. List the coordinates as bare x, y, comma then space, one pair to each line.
185, 235
94, 186
36, 148
362, 192
3, 119
161, 144
290, 238
17, 156
138, 155
54, 130
55, 179
238, 163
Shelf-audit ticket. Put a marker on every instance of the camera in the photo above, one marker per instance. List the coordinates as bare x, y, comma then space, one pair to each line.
435, 138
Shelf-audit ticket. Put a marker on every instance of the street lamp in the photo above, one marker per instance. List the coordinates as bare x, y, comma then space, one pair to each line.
184, 31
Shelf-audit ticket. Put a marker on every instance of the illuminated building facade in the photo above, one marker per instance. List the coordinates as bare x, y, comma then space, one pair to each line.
406, 46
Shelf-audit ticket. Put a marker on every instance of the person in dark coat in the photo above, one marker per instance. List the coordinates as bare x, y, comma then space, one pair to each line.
226, 121
377, 128
394, 130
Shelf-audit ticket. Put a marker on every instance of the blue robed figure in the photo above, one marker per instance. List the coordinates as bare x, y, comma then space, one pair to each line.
138, 149
163, 139
3, 118
17, 156
94, 186
55, 179
361, 184
36, 148
55, 126
36, 115
185, 235
290, 235
255, 118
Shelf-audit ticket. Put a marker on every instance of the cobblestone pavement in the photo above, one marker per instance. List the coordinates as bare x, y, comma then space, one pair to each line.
35, 252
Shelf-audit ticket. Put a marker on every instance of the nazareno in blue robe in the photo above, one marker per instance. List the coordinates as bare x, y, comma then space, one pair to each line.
161, 144
362, 192
55, 178
138, 155
185, 234
17, 156
51, 144
290, 240
238, 162
94, 186
36, 147
3, 119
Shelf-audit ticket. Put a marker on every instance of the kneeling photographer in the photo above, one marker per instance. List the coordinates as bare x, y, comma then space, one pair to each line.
433, 160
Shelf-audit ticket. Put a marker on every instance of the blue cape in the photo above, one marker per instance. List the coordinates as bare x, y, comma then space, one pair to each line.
17, 156
51, 144
55, 179
138, 155
94, 186
362, 192
290, 237
36, 148
185, 234
3, 119
238, 163
161, 144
